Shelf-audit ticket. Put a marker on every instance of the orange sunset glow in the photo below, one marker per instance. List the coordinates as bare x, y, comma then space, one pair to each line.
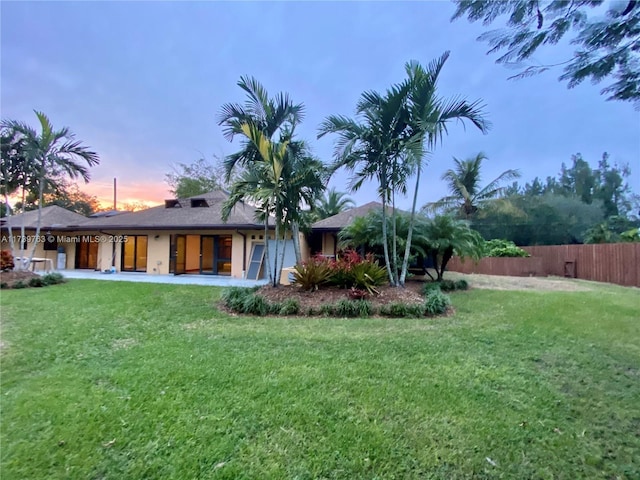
131, 193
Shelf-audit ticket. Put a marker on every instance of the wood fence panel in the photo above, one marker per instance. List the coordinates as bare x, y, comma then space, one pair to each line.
617, 263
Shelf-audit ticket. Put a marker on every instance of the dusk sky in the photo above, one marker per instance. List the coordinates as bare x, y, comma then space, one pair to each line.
142, 84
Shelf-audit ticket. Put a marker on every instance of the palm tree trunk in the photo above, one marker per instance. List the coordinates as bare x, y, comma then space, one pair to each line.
284, 249
394, 241
295, 232
385, 243
275, 278
9, 213
412, 221
266, 244
40, 200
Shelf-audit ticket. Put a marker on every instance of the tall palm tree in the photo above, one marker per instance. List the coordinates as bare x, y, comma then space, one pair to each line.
279, 173
332, 203
429, 119
371, 147
52, 153
466, 194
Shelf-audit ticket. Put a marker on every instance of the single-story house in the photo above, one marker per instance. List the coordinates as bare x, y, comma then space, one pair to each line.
181, 236
323, 238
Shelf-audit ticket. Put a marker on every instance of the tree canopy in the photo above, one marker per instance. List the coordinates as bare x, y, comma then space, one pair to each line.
607, 46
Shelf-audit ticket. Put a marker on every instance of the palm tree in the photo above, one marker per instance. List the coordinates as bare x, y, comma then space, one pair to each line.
51, 154
332, 203
279, 175
447, 237
463, 182
429, 118
372, 148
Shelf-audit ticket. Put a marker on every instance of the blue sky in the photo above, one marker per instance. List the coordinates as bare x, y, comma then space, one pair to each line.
142, 83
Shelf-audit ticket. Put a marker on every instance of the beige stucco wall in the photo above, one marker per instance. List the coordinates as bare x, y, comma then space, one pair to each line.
158, 253
328, 244
305, 250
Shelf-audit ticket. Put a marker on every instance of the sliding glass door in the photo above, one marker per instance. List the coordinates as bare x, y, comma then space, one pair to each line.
134, 254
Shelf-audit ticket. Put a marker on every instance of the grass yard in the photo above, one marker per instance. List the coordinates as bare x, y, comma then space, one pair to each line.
110, 380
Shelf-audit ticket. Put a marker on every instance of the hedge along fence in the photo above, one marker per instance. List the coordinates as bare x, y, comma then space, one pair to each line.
617, 263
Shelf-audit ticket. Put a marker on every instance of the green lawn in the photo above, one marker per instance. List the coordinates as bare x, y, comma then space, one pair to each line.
108, 380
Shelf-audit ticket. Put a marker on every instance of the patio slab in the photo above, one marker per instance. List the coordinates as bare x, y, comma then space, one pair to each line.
211, 280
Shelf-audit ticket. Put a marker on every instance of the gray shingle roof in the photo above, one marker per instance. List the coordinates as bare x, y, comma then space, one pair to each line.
345, 218
184, 216
53, 217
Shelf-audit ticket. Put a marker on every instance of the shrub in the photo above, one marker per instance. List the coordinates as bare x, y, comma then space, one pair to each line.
353, 308
503, 248
367, 275
313, 274
429, 287
290, 306
353, 270
447, 285
462, 284
36, 282
234, 297
53, 278
327, 310
19, 284
436, 303
403, 310
311, 312
255, 304
6, 261
4, 285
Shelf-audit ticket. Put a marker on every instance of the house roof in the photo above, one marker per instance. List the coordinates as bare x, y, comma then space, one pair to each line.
342, 219
52, 217
198, 212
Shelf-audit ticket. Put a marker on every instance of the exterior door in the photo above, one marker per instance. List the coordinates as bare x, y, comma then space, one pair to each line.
207, 254
87, 255
178, 254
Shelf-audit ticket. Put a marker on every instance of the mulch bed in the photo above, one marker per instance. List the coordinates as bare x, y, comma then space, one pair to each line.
10, 278
410, 294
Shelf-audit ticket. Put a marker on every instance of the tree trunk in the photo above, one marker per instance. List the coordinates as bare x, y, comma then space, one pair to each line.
295, 232
275, 277
412, 221
10, 228
446, 256
385, 243
40, 200
266, 244
394, 244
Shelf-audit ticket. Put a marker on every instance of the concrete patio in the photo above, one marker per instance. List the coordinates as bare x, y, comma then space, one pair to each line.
211, 280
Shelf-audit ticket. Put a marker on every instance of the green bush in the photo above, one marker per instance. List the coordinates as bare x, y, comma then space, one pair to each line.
447, 285
327, 310
311, 312
462, 284
436, 303
353, 308
36, 282
19, 284
429, 287
503, 248
53, 278
290, 306
313, 274
402, 310
255, 304
367, 275
234, 297
4, 285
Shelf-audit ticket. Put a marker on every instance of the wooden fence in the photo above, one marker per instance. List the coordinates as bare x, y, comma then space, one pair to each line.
611, 262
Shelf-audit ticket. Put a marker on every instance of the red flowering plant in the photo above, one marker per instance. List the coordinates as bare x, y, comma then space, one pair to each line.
6, 261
